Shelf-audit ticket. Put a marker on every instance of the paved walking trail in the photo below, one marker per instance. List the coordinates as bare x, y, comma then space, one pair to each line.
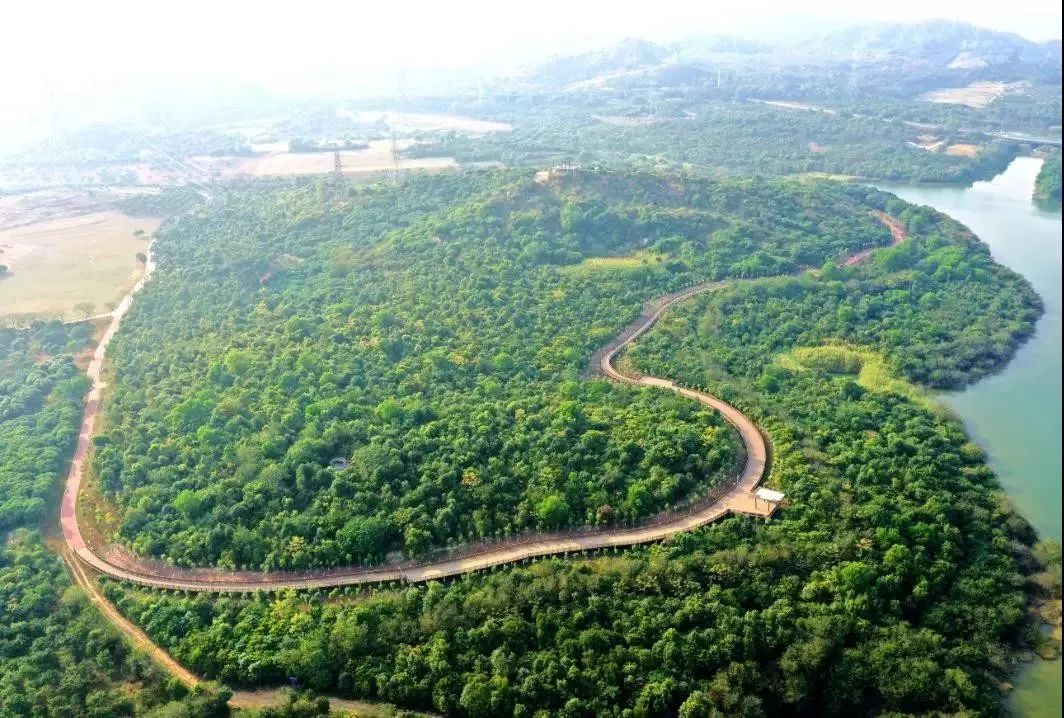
734, 498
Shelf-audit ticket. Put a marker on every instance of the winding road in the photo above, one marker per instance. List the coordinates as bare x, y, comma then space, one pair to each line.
734, 497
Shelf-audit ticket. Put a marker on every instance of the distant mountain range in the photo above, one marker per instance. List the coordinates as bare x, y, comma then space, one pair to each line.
936, 44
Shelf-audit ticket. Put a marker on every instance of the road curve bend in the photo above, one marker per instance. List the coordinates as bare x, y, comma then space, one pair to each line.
735, 497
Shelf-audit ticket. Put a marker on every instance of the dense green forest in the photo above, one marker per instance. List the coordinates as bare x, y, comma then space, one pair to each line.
911, 303
1047, 185
439, 349
740, 138
58, 656
894, 581
40, 405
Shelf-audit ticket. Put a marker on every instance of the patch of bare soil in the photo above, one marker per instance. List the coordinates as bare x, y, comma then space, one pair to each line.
977, 94
963, 150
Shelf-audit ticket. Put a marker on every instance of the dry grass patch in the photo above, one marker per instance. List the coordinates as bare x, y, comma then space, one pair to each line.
870, 368
977, 94
963, 150
816, 176
630, 262
70, 268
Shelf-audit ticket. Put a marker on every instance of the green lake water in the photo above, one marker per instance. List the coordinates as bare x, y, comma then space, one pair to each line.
1016, 415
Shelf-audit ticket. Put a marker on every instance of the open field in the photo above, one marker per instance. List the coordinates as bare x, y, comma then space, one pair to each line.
70, 267
963, 150
19, 210
33, 175
638, 260
426, 122
931, 143
376, 158
871, 369
826, 176
977, 94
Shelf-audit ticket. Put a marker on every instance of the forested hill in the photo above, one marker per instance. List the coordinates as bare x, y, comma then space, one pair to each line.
435, 337
441, 346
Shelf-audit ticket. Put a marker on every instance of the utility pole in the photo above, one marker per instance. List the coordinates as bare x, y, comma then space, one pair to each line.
338, 175
852, 85
395, 157
400, 119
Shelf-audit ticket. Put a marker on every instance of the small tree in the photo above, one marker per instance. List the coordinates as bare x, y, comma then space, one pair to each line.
553, 511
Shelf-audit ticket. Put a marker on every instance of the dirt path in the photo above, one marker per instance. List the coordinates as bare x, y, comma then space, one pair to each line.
262, 698
135, 635
897, 232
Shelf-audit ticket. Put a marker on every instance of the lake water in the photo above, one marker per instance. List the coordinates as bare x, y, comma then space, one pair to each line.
1016, 415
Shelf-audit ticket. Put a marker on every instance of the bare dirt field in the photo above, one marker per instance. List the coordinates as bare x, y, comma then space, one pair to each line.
376, 158
963, 150
977, 94
27, 208
930, 143
70, 267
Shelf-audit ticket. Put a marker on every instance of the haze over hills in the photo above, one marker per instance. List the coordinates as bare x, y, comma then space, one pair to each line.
931, 45
936, 41
941, 52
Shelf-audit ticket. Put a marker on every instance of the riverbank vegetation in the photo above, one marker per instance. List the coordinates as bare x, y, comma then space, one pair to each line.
1047, 184
894, 579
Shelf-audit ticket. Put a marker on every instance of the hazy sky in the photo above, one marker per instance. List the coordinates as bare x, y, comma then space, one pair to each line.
83, 48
